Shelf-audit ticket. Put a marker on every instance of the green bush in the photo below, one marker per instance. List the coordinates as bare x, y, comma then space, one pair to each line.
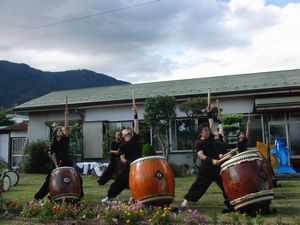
148, 150
37, 158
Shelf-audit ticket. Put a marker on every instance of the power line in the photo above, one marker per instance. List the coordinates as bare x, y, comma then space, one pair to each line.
79, 18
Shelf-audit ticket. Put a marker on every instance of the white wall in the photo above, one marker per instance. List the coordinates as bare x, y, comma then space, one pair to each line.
37, 128
236, 105
4, 145
113, 113
92, 140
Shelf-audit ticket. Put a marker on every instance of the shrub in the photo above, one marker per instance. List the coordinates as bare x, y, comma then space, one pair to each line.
148, 150
37, 158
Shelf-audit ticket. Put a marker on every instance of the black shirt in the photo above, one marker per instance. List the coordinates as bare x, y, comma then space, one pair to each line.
61, 150
242, 145
131, 149
114, 146
221, 145
209, 148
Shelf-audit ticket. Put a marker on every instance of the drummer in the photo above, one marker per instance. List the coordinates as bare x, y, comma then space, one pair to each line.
129, 151
243, 138
209, 169
59, 155
114, 164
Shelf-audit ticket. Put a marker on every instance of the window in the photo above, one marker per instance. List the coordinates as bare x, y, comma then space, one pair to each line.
294, 138
17, 151
120, 125
295, 116
182, 134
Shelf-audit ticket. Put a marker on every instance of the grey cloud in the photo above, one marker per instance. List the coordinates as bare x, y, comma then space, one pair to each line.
130, 38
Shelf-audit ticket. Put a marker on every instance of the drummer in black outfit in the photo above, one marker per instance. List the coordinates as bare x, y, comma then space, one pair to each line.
114, 164
59, 155
243, 138
129, 151
209, 169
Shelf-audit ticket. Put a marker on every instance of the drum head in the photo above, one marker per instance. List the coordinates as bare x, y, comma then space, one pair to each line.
5, 183
14, 177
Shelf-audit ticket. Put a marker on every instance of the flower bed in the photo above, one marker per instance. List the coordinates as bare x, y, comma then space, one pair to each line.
116, 212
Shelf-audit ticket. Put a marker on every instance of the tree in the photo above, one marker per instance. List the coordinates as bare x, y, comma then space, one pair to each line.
4, 121
231, 124
159, 111
194, 108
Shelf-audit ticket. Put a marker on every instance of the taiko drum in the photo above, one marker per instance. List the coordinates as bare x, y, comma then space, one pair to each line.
247, 181
151, 181
64, 184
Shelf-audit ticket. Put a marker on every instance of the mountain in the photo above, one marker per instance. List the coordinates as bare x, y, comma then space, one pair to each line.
21, 83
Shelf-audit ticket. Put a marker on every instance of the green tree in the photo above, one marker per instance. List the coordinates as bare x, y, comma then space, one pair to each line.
159, 111
194, 108
231, 124
37, 159
4, 121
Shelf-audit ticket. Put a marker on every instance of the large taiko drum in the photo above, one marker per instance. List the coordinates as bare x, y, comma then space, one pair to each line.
64, 184
151, 181
247, 181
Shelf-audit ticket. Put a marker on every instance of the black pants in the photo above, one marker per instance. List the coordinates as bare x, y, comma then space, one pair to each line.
44, 190
121, 182
203, 181
111, 169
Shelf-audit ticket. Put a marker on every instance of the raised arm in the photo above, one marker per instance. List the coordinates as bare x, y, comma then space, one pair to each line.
248, 126
209, 114
221, 129
136, 127
210, 118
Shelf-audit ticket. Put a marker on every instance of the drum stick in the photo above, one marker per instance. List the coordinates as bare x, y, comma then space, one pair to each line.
208, 97
133, 98
66, 101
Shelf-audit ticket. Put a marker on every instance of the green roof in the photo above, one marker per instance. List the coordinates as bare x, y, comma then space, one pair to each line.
220, 85
277, 101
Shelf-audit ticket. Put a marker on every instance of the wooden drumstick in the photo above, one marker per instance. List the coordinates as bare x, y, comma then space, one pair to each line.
133, 98
208, 97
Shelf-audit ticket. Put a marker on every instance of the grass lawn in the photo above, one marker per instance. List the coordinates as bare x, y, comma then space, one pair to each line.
286, 202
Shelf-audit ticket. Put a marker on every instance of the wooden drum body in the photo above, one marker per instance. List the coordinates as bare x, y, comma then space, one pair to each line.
247, 181
151, 181
64, 184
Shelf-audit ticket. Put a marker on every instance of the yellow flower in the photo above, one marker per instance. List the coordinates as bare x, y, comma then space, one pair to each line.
128, 221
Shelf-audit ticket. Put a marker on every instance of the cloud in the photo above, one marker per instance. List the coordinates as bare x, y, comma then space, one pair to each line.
163, 40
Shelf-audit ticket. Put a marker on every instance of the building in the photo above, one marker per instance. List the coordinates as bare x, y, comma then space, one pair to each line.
272, 99
12, 140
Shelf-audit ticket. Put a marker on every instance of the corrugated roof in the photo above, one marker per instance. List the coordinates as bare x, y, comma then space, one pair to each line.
17, 127
179, 88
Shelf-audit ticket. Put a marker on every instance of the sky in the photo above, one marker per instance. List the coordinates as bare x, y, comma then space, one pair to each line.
143, 41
